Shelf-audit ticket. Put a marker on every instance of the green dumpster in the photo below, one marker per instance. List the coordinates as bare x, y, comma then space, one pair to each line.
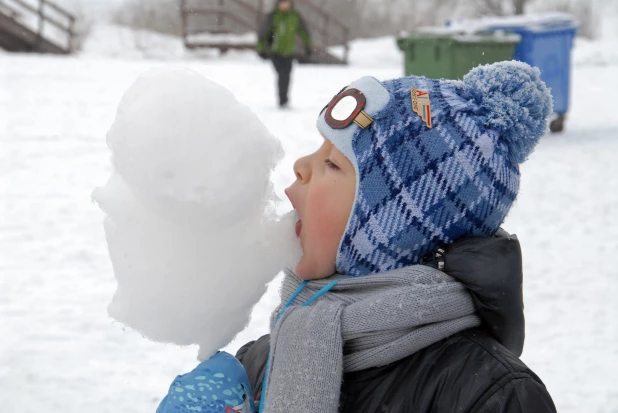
441, 53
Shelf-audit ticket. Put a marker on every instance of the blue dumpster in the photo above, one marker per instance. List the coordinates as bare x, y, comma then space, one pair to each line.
546, 42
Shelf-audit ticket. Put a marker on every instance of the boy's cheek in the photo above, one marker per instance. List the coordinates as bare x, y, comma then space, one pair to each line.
326, 223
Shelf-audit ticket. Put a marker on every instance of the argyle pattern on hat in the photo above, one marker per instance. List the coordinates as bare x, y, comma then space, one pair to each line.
420, 188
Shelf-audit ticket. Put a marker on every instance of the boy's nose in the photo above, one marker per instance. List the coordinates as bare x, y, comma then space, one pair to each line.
302, 169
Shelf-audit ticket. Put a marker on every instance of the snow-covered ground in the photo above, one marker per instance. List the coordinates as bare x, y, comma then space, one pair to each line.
59, 351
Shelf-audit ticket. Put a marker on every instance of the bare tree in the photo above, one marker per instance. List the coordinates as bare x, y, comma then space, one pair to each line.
83, 23
161, 16
490, 7
519, 6
586, 14
370, 18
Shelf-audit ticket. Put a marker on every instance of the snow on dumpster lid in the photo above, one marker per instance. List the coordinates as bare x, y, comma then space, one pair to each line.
461, 35
532, 22
499, 37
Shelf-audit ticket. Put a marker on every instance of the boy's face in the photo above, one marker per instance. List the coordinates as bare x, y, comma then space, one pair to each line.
284, 5
322, 195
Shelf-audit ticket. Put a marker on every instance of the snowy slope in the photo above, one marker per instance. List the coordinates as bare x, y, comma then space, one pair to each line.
60, 353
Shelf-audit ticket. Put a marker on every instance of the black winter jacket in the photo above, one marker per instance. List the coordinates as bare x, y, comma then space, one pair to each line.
475, 371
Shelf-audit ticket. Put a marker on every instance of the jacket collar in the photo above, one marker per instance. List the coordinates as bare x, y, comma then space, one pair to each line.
491, 268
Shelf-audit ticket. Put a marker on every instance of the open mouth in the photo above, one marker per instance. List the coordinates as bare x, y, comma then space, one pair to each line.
299, 227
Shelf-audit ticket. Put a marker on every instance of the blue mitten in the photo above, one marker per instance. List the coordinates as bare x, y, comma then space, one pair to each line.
217, 385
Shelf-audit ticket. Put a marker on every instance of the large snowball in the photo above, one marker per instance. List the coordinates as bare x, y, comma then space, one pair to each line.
190, 221
187, 147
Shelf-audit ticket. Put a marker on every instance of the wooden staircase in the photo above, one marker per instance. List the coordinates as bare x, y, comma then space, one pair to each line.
36, 26
233, 24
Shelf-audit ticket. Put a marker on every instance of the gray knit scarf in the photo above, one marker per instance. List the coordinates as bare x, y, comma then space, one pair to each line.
361, 322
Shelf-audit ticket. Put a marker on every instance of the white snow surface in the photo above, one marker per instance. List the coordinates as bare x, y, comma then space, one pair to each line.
181, 208
59, 350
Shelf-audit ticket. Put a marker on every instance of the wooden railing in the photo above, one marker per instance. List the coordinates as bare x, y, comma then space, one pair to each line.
237, 16
212, 16
326, 30
15, 9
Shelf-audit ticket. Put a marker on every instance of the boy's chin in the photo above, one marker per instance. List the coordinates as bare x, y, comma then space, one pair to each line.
307, 270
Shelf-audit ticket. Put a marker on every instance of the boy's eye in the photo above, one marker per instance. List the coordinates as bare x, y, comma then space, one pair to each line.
330, 164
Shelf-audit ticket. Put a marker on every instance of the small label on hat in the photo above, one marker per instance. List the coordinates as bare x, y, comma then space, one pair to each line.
421, 105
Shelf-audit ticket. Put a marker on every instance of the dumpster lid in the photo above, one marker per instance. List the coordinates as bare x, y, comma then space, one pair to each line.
461, 35
531, 22
500, 37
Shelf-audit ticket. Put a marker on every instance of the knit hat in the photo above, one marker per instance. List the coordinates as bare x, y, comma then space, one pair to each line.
435, 160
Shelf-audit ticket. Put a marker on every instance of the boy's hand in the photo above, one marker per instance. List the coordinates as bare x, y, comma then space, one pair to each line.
218, 384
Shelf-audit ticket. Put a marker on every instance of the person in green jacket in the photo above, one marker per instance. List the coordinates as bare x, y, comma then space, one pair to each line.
277, 41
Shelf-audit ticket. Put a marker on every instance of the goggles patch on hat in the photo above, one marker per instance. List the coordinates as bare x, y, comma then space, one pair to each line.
421, 105
347, 107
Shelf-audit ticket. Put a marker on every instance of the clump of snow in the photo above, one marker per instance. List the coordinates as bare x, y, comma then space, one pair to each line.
595, 53
190, 225
602, 51
372, 53
119, 41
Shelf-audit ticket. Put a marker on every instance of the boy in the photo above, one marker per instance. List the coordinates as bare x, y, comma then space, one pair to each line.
390, 321
277, 41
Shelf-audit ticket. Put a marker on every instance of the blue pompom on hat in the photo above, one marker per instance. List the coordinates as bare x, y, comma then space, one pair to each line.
432, 170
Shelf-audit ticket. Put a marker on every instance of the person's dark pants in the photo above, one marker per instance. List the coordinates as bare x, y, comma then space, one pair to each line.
283, 66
